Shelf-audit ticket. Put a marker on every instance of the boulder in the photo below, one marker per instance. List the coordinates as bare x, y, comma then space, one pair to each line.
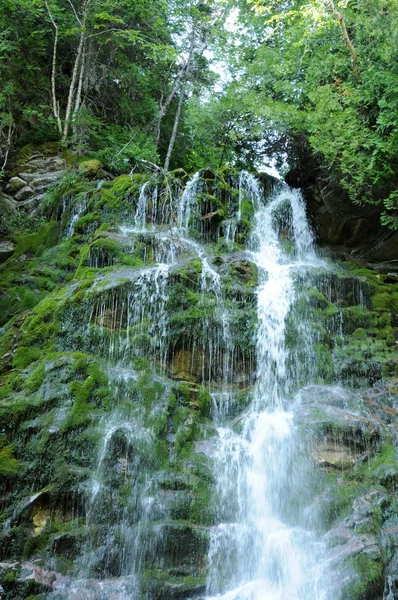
90, 168
24, 193
15, 184
6, 250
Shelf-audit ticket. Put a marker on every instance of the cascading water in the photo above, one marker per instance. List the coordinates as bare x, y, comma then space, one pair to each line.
262, 550
130, 323
195, 406
262, 547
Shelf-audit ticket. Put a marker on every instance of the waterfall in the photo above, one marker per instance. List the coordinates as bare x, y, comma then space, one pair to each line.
262, 548
140, 213
187, 202
78, 210
261, 545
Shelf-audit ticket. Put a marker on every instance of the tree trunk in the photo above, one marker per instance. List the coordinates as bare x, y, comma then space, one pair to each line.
79, 53
174, 132
338, 16
178, 84
54, 66
7, 137
72, 88
80, 84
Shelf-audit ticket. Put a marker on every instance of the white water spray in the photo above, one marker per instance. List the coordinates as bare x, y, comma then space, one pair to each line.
258, 552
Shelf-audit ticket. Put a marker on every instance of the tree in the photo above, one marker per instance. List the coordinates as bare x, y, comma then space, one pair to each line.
96, 61
296, 76
205, 19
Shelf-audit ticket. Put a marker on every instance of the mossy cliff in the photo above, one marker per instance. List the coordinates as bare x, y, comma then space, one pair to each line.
107, 366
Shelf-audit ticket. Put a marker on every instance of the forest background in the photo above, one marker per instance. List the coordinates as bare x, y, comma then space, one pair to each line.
308, 86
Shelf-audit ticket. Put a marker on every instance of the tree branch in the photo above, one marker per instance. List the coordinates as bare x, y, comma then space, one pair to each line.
338, 16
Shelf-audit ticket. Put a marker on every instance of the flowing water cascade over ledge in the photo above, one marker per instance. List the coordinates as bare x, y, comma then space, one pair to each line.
203, 407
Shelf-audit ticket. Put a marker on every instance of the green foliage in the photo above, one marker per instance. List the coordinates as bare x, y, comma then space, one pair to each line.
370, 580
296, 94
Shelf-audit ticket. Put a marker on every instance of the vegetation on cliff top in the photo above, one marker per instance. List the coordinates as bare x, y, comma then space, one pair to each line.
312, 84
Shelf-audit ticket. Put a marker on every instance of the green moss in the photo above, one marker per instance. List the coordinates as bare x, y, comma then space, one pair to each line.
245, 271
162, 453
9, 465
25, 356
356, 317
47, 148
201, 498
324, 362
382, 302
317, 299
183, 393
63, 257
114, 197
382, 469
90, 167
36, 379
204, 401
17, 300
36, 243
359, 334
87, 394
122, 184
339, 503
107, 252
88, 223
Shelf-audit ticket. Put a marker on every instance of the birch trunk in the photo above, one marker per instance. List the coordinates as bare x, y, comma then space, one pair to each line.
178, 84
79, 53
54, 66
174, 132
80, 84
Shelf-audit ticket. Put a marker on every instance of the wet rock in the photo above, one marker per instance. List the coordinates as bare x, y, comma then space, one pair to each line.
163, 586
356, 544
66, 545
7, 204
183, 545
23, 579
40, 182
15, 184
24, 193
31, 571
331, 396
245, 271
328, 453
391, 587
347, 427
31, 179
358, 371
185, 366
6, 250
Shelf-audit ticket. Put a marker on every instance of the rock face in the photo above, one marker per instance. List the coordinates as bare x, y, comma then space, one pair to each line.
108, 352
32, 176
348, 228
